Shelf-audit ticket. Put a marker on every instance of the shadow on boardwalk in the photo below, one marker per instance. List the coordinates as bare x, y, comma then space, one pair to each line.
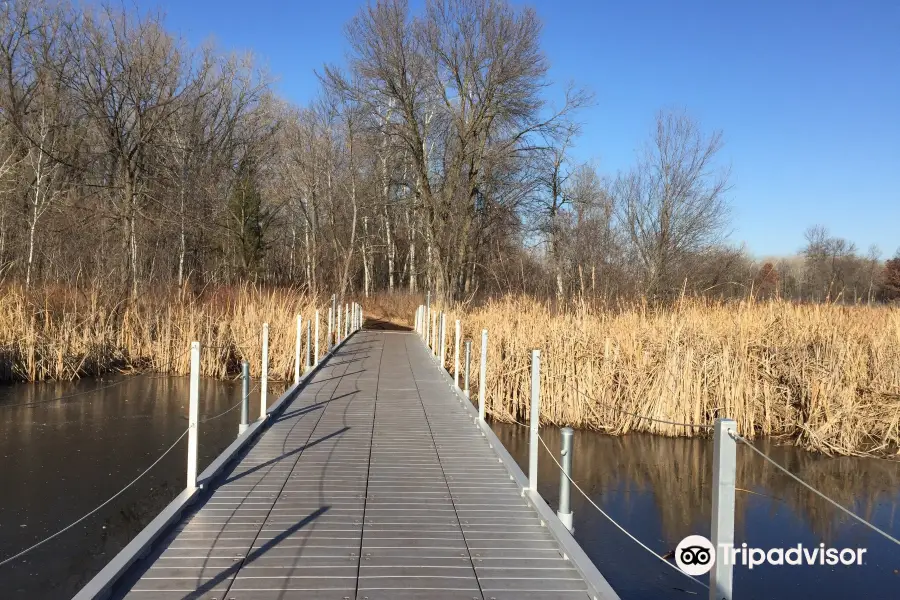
382, 325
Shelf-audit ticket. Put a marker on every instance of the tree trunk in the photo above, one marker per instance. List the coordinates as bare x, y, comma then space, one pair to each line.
31, 229
411, 225
365, 257
391, 250
32, 225
183, 242
293, 253
349, 258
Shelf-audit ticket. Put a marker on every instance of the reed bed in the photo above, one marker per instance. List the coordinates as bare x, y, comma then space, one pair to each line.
66, 334
391, 311
826, 376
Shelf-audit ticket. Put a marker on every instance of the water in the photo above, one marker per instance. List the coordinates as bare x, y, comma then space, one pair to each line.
60, 459
659, 490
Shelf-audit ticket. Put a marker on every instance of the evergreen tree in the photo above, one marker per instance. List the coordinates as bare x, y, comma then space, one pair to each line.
249, 218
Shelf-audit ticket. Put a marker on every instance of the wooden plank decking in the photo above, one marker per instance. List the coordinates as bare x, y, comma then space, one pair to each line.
373, 484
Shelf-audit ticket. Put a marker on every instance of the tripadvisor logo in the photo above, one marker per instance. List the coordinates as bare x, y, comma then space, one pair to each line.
696, 555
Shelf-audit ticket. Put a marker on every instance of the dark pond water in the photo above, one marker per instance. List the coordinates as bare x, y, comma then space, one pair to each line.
659, 490
60, 459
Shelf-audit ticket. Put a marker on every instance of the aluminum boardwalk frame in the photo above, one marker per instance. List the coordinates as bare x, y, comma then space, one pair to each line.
374, 483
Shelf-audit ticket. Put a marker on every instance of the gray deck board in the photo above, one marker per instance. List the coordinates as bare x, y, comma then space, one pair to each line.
373, 484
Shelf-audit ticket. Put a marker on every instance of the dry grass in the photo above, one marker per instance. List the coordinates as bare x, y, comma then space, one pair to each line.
66, 334
827, 376
397, 310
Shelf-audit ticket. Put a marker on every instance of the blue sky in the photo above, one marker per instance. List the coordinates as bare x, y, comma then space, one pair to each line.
806, 92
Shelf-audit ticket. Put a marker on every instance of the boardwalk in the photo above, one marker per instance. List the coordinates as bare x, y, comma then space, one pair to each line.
373, 484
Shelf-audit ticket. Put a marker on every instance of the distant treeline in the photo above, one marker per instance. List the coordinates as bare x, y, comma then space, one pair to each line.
435, 160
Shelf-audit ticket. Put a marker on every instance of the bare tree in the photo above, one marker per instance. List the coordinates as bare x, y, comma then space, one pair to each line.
437, 160
595, 241
127, 80
458, 92
49, 124
829, 262
553, 200
673, 203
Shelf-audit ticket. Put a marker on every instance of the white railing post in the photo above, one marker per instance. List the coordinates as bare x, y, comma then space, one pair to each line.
434, 328
468, 363
443, 340
333, 328
535, 419
337, 328
317, 337
427, 314
245, 397
297, 349
565, 459
264, 376
482, 375
308, 341
328, 338
724, 479
193, 417
456, 355
416, 320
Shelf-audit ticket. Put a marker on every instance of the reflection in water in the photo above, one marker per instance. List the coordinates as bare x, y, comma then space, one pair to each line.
659, 490
62, 458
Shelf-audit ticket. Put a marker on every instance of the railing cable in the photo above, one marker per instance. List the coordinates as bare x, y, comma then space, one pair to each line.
613, 521
95, 510
602, 512
225, 412
850, 513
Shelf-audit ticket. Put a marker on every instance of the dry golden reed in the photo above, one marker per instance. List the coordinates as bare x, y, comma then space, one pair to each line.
826, 375
390, 311
66, 334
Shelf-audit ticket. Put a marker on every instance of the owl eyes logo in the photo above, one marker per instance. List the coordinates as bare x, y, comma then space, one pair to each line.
695, 555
